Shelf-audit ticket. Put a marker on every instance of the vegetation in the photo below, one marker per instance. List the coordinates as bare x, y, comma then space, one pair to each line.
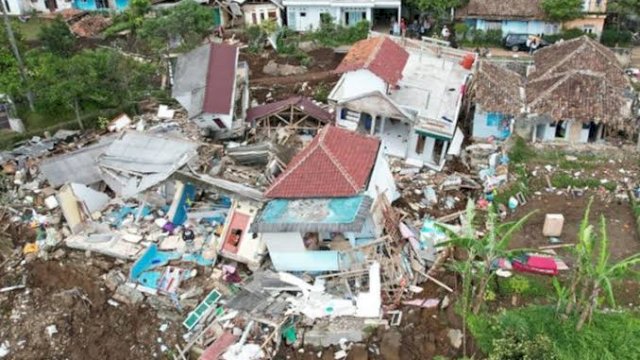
330, 34
182, 26
567, 34
474, 37
562, 10
616, 38
610, 336
57, 38
439, 7
593, 273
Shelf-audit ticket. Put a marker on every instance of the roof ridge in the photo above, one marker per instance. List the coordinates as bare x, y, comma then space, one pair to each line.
564, 60
339, 166
375, 51
300, 162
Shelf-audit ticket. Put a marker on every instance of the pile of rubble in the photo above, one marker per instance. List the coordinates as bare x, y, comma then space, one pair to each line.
166, 205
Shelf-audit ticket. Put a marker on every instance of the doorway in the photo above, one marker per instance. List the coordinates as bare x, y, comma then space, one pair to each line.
52, 5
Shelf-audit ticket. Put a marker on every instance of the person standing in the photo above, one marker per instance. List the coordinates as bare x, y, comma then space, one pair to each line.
403, 27
446, 33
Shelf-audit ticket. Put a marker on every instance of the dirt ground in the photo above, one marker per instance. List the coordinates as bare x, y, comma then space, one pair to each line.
623, 239
72, 297
319, 77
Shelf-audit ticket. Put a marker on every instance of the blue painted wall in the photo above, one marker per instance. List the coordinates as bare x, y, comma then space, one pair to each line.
487, 124
92, 5
305, 261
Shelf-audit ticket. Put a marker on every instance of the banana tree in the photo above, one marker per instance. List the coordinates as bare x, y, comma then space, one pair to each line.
491, 247
583, 252
601, 275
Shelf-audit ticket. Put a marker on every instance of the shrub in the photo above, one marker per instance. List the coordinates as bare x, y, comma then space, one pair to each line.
517, 346
614, 38
567, 34
520, 152
476, 37
330, 34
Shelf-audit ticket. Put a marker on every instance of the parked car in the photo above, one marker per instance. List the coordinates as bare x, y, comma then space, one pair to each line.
518, 42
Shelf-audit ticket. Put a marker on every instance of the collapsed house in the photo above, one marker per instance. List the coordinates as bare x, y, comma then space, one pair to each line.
213, 86
322, 203
407, 92
573, 91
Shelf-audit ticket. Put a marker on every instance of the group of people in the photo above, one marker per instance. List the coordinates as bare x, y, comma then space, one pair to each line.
419, 27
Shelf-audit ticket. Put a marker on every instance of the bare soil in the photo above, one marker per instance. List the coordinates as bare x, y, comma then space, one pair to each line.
623, 239
69, 294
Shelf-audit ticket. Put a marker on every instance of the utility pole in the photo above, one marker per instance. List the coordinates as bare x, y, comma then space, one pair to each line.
16, 53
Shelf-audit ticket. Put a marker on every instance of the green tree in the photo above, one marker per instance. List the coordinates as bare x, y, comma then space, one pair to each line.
187, 23
57, 38
440, 7
562, 10
623, 8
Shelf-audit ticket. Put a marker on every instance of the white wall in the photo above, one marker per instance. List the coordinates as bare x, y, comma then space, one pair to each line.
382, 180
261, 12
41, 6
287, 253
311, 20
15, 7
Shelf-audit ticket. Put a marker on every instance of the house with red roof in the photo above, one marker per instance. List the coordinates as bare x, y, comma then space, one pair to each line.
213, 86
408, 93
323, 204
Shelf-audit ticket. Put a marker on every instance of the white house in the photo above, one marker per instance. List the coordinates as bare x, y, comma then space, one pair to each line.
305, 15
47, 6
409, 95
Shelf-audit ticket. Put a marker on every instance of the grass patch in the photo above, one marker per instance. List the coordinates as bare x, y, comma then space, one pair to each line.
520, 152
563, 180
529, 286
611, 336
31, 28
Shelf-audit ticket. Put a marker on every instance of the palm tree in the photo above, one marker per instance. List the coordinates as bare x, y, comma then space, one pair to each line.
601, 274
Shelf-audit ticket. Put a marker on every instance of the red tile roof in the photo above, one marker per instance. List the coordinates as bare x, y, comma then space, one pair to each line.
304, 104
336, 163
380, 55
221, 78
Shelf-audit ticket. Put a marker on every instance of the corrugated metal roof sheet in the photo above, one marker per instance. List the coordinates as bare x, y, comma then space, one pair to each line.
221, 78
79, 166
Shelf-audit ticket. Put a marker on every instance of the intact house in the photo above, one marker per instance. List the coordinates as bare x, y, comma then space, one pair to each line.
213, 87
408, 95
573, 92
307, 15
16, 7
321, 207
527, 17
46, 6
499, 96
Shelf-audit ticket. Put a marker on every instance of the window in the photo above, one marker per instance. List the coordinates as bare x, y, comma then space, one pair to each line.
588, 29
254, 18
420, 143
494, 25
303, 14
262, 17
272, 15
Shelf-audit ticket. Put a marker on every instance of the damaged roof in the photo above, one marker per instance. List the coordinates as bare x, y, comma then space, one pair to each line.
579, 79
380, 55
337, 163
204, 80
502, 9
303, 104
498, 89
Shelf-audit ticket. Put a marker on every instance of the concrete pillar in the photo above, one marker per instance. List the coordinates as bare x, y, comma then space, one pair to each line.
382, 121
445, 148
373, 124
